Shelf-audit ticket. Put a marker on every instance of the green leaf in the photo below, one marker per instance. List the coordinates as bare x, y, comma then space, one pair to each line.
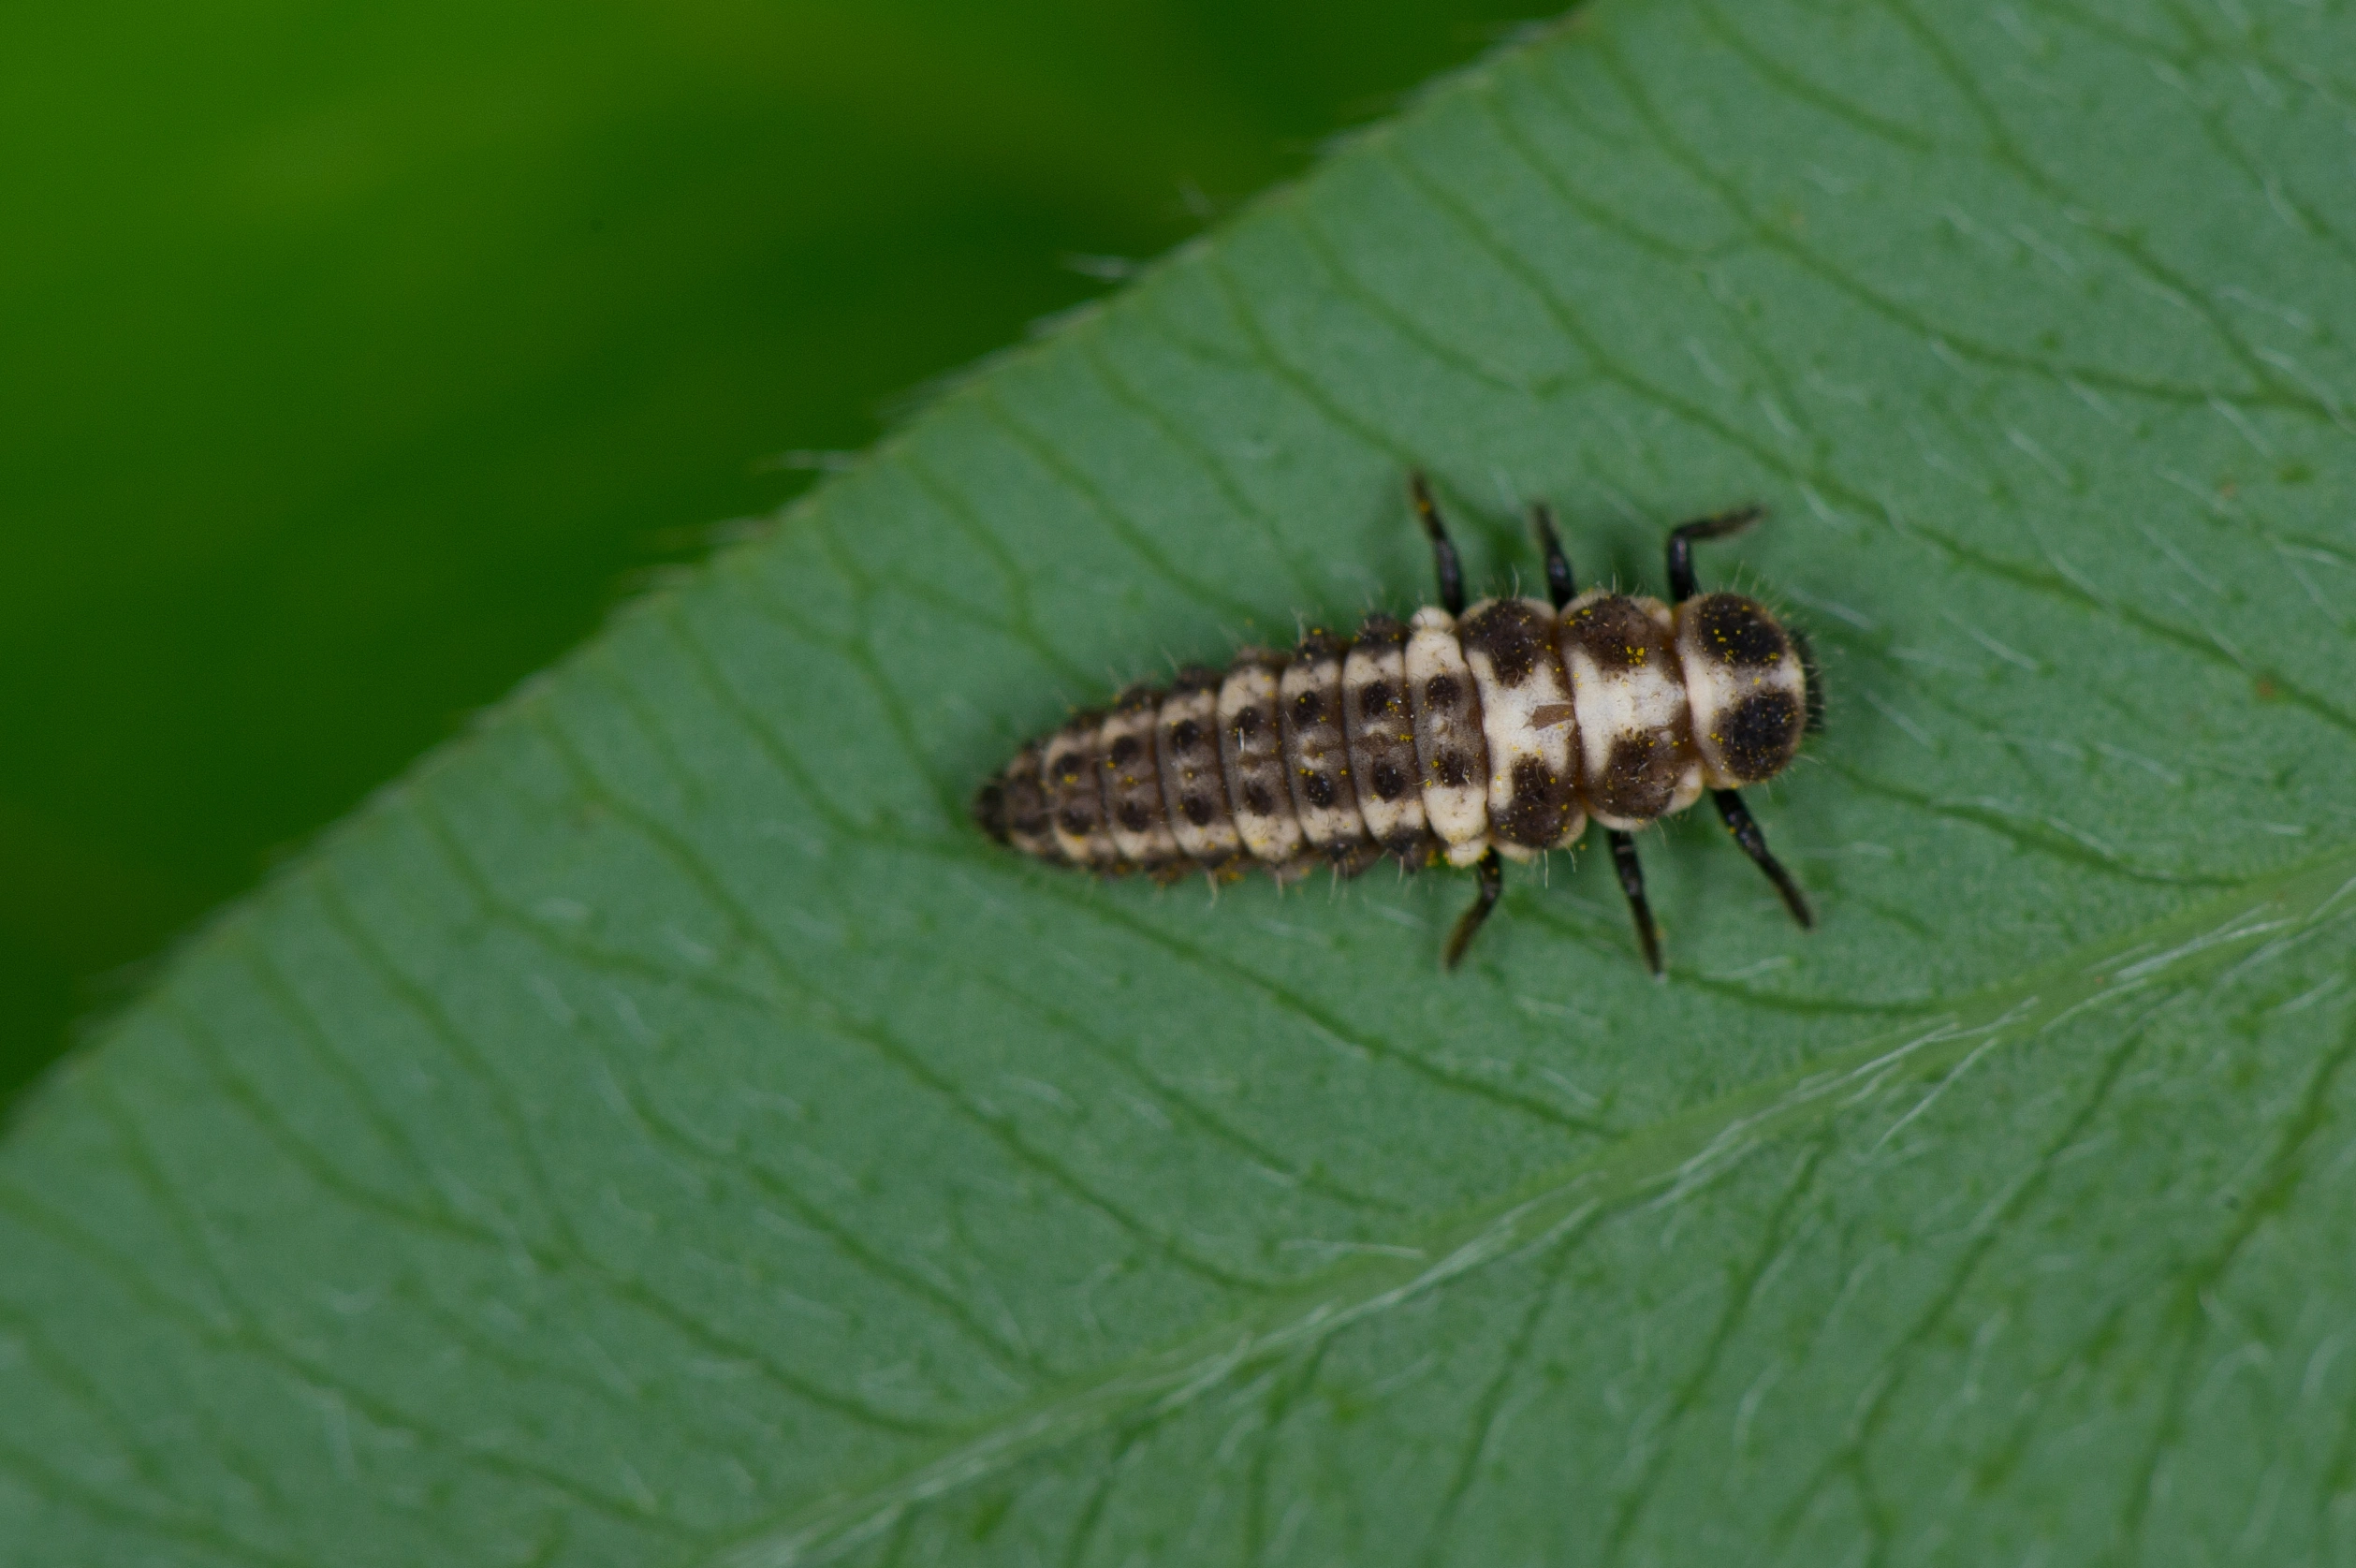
664, 1131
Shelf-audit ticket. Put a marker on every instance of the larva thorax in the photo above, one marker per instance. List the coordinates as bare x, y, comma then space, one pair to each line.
1504, 728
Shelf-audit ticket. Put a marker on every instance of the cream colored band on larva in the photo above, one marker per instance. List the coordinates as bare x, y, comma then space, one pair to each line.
1253, 751
1187, 747
1449, 749
1636, 757
1316, 753
1134, 804
1075, 786
1533, 801
1379, 719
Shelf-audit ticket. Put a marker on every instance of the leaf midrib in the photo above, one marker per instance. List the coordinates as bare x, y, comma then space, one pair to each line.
1662, 1163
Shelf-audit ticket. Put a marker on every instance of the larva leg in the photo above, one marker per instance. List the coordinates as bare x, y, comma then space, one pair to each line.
1492, 871
1632, 881
1681, 538
1562, 587
1746, 830
1443, 550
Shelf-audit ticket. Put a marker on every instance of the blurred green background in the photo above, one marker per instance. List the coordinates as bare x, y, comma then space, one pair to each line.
354, 360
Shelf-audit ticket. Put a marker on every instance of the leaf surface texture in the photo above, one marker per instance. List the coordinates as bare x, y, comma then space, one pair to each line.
662, 1130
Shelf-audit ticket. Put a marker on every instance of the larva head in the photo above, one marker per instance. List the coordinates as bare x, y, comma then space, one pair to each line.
1748, 685
989, 809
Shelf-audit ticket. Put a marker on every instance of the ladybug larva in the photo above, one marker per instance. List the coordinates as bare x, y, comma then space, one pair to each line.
1465, 736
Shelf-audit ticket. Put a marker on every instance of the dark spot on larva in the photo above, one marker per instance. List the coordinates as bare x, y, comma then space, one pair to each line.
1409, 847
1631, 751
1075, 822
1738, 631
1185, 735
1539, 809
1440, 691
1197, 810
1389, 783
1640, 776
1124, 751
1616, 632
1759, 737
1255, 799
1512, 635
1450, 766
1132, 816
1136, 697
1066, 767
1197, 677
1374, 700
1318, 788
1309, 707
1248, 722
1380, 631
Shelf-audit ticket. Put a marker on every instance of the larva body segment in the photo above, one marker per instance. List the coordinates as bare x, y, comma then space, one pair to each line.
1747, 686
1464, 736
1137, 811
1317, 754
1636, 751
1381, 730
1251, 750
1186, 746
1449, 748
1075, 793
1527, 720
